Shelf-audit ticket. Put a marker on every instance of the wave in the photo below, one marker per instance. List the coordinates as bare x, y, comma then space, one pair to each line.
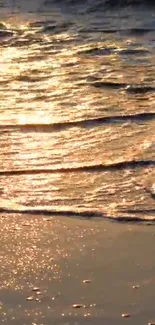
100, 4
123, 165
6, 33
136, 118
133, 89
70, 213
70, 6
113, 3
87, 214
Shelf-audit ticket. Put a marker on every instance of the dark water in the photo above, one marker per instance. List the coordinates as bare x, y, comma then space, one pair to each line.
77, 108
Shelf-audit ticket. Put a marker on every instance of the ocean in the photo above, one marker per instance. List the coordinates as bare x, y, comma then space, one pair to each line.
77, 108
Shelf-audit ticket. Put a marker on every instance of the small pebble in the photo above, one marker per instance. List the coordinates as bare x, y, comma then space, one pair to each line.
125, 315
30, 298
36, 289
77, 305
16, 228
86, 281
135, 287
86, 306
37, 299
86, 315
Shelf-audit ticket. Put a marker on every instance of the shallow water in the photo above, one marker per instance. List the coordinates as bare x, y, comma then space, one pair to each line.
77, 116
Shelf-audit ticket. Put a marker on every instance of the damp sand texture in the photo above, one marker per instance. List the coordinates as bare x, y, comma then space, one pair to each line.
71, 271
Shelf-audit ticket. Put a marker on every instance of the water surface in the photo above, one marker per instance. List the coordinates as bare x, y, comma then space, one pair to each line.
77, 116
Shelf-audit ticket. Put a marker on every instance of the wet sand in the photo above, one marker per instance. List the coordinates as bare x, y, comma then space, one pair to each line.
45, 262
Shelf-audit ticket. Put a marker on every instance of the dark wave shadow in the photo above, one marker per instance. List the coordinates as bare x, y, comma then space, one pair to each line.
123, 3
107, 51
69, 213
85, 215
139, 31
98, 4
134, 89
137, 211
124, 165
5, 33
136, 118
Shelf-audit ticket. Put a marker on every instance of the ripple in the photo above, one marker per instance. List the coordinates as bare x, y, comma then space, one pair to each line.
98, 51
123, 165
5, 33
136, 118
140, 31
134, 89
68, 213
109, 85
138, 89
134, 52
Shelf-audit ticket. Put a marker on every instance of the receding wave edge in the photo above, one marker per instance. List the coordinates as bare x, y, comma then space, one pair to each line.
80, 214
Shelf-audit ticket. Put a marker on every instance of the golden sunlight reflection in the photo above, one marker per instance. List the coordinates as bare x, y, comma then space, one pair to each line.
47, 83
29, 252
70, 102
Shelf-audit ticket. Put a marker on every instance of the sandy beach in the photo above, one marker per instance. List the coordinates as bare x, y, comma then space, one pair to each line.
75, 271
